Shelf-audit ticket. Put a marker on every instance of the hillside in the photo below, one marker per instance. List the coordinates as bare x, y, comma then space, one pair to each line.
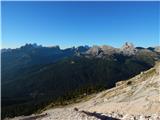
136, 98
35, 76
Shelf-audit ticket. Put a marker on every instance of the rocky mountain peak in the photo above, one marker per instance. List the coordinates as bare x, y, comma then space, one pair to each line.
128, 46
109, 49
157, 49
128, 49
95, 50
29, 46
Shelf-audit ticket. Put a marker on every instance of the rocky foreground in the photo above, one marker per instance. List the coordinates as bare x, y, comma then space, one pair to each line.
135, 99
74, 114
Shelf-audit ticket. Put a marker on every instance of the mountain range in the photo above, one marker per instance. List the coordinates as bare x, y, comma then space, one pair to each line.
34, 76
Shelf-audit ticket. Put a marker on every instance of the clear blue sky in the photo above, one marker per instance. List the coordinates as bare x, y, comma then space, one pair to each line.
80, 23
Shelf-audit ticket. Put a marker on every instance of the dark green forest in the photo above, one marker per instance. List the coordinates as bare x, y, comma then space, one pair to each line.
35, 77
29, 89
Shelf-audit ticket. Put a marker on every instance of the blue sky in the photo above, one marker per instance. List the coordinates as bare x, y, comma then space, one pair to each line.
80, 23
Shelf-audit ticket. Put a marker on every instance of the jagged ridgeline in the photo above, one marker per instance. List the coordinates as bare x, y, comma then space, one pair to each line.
34, 76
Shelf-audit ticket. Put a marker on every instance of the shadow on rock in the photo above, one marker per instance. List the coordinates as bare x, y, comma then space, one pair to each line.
99, 116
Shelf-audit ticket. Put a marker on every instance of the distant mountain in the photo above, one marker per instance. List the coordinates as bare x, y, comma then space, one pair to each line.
33, 54
127, 49
34, 76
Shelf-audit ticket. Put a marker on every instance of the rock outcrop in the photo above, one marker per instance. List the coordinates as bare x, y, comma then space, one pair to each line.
128, 49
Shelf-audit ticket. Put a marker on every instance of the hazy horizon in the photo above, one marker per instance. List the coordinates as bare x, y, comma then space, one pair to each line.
80, 45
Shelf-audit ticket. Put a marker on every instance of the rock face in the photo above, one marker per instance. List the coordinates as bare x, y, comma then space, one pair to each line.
128, 49
157, 49
135, 99
95, 50
109, 50
137, 96
101, 51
